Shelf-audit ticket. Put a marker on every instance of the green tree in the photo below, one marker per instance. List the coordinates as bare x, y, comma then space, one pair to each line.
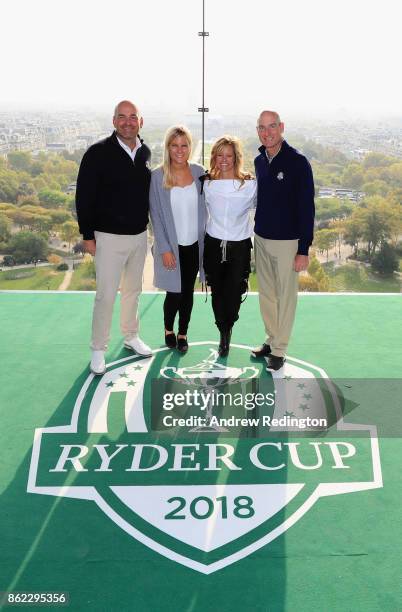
322, 280
353, 176
385, 261
375, 160
59, 216
332, 208
395, 197
31, 200
42, 224
77, 155
25, 188
5, 228
314, 265
377, 187
52, 198
378, 221
22, 218
325, 239
7, 210
338, 227
20, 160
68, 231
88, 267
352, 231
28, 247
39, 219
395, 174
8, 186
319, 279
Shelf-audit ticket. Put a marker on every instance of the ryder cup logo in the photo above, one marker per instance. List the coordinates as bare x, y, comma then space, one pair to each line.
203, 459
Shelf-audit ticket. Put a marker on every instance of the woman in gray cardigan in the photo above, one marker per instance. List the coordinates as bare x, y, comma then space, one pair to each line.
178, 217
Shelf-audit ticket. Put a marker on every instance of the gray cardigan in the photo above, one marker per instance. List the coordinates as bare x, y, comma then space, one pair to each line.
165, 232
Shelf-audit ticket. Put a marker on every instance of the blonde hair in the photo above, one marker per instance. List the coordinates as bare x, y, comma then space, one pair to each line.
171, 134
217, 147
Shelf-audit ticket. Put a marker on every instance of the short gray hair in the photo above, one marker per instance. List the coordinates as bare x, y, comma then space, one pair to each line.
277, 117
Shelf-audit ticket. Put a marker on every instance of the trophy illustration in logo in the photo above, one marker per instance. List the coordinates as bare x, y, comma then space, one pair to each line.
211, 376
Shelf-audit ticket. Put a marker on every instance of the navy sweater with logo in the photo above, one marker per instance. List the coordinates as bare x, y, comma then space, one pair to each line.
113, 191
285, 200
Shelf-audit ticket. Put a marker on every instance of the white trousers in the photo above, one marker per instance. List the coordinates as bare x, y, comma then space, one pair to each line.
119, 261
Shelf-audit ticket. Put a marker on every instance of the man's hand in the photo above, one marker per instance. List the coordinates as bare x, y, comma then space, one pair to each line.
90, 246
301, 263
169, 260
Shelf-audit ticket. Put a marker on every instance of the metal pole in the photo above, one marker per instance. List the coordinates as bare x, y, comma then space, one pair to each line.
203, 108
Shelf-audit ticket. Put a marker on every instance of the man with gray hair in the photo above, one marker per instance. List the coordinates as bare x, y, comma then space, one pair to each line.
112, 201
284, 224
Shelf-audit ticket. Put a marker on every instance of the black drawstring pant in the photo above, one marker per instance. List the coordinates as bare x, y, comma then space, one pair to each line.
228, 279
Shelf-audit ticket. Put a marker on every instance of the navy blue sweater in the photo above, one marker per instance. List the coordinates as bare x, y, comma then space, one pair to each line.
285, 201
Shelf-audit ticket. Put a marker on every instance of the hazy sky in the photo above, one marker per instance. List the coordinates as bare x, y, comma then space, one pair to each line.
292, 55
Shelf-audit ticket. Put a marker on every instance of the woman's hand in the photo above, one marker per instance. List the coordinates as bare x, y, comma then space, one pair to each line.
169, 260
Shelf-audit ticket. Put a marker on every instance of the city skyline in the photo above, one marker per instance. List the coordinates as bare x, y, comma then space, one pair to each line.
316, 58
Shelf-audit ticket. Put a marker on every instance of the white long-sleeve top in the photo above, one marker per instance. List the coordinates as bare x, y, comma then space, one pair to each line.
228, 204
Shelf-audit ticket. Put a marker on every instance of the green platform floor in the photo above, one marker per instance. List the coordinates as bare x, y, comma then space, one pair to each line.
344, 554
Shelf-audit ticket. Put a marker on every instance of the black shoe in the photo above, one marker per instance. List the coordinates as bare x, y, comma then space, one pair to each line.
170, 340
182, 345
224, 344
263, 351
275, 363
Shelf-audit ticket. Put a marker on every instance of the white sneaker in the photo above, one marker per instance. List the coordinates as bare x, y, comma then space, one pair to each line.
98, 365
138, 346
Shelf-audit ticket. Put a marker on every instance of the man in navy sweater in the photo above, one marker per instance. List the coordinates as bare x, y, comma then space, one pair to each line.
112, 202
284, 223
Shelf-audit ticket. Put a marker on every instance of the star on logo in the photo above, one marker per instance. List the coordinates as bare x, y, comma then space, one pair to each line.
110, 384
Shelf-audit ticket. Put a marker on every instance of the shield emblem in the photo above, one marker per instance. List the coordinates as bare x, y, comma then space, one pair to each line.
202, 459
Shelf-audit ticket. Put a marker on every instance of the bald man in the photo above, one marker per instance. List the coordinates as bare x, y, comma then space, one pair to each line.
284, 224
112, 201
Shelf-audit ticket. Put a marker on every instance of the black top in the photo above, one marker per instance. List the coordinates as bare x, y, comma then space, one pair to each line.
113, 191
285, 198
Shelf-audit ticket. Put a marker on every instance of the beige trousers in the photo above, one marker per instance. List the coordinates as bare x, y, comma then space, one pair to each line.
117, 258
278, 286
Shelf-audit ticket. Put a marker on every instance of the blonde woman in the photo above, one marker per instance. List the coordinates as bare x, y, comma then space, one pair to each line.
178, 215
230, 193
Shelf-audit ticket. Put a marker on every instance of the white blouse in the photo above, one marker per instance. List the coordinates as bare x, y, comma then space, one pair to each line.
228, 206
184, 202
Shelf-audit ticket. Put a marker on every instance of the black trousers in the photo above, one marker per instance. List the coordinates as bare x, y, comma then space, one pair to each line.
228, 279
182, 302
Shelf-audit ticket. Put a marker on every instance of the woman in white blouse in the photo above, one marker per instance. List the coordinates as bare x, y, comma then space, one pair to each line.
178, 215
229, 194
